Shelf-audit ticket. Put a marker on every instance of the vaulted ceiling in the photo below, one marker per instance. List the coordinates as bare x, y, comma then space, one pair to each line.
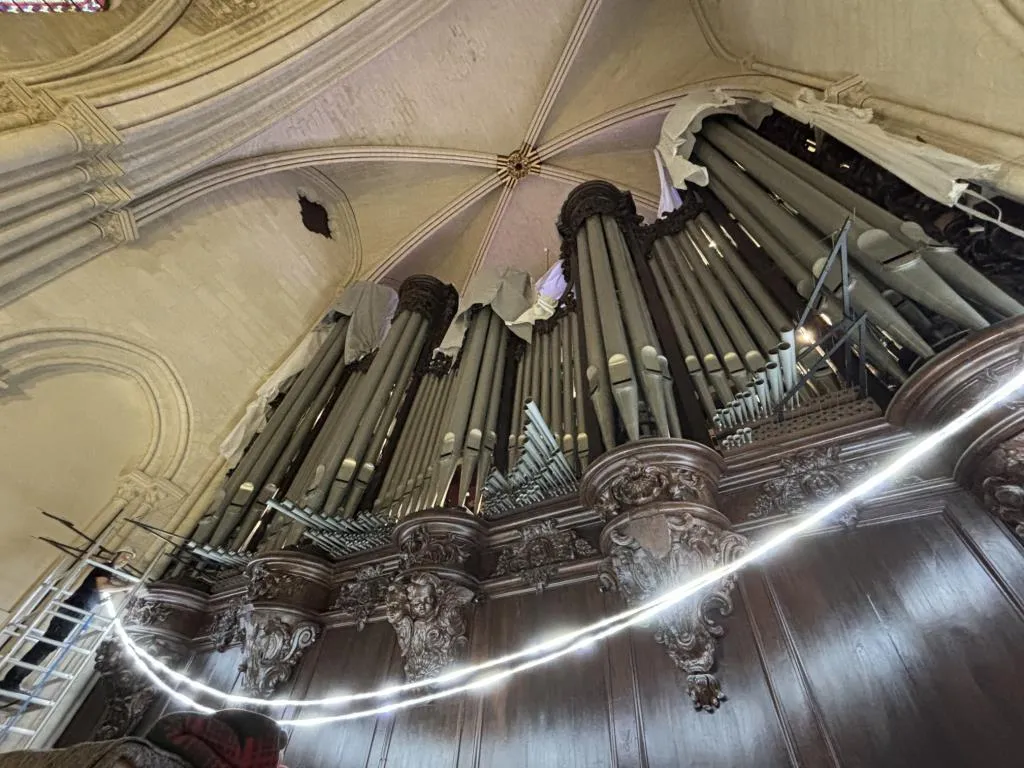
582, 85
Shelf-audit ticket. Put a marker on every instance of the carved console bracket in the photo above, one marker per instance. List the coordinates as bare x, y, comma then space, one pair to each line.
286, 591
663, 529
129, 693
428, 602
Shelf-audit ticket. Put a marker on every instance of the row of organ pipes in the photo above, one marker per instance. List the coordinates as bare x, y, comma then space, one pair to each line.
510, 422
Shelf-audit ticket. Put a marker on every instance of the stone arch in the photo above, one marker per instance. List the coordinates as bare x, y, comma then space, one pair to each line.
30, 353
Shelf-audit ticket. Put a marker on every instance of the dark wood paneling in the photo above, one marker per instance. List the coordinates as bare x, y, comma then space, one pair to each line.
347, 660
556, 715
911, 649
745, 731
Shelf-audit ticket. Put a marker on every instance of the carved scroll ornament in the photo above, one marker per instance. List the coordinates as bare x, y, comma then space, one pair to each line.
361, 596
641, 567
1002, 485
809, 477
641, 483
129, 694
537, 556
271, 649
428, 615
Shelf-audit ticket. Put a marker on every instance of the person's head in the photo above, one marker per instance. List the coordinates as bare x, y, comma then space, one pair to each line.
122, 557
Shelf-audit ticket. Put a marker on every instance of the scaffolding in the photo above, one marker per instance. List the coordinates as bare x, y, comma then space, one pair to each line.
27, 717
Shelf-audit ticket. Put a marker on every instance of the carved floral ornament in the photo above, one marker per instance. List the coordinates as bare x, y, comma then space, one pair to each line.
810, 477
265, 584
361, 596
129, 693
428, 616
542, 549
225, 627
424, 547
640, 484
651, 554
1002, 484
272, 648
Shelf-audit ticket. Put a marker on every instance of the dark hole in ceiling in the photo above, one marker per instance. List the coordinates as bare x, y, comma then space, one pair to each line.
314, 217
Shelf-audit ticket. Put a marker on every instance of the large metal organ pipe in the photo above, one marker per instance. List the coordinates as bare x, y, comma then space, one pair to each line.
259, 472
627, 374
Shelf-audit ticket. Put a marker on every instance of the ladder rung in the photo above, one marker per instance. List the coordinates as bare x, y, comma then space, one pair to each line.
4, 728
35, 667
36, 700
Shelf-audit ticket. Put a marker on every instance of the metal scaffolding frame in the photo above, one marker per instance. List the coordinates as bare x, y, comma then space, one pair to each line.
23, 716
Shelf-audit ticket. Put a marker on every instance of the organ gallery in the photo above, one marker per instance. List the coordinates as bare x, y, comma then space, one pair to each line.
731, 475
450, 479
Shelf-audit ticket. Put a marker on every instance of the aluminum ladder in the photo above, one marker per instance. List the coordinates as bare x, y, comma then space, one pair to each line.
24, 719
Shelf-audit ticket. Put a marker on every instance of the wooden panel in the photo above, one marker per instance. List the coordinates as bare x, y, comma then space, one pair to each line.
556, 715
744, 733
346, 660
911, 649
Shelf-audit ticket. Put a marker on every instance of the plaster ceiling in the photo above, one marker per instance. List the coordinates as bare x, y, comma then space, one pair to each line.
479, 80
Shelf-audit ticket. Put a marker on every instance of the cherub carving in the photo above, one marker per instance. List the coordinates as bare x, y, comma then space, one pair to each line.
427, 614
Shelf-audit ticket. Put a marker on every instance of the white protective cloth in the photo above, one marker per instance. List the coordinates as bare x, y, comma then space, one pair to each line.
683, 122
510, 293
930, 170
549, 291
369, 307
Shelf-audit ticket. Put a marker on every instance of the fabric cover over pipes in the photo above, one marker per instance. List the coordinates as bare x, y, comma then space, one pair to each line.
928, 169
370, 308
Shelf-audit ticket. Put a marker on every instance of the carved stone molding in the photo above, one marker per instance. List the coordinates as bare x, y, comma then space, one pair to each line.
649, 471
129, 694
35, 105
810, 477
428, 613
118, 226
649, 552
88, 127
151, 492
274, 643
360, 597
536, 558
205, 16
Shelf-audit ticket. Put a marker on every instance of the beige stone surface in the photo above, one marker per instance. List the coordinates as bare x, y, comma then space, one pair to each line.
221, 288
940, 55
40, 38
65, 438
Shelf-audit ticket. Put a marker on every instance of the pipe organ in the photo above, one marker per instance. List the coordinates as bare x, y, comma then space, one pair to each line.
432, 506
683, 328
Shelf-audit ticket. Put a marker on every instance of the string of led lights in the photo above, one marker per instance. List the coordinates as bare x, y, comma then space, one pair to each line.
569, 642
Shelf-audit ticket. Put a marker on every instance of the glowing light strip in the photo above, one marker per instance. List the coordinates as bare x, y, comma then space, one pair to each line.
572, 641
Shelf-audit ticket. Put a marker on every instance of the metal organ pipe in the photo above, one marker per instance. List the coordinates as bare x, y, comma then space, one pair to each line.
874, 249
943, 259
756, 210
621, 375
597, 380
639, 327
685, 253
